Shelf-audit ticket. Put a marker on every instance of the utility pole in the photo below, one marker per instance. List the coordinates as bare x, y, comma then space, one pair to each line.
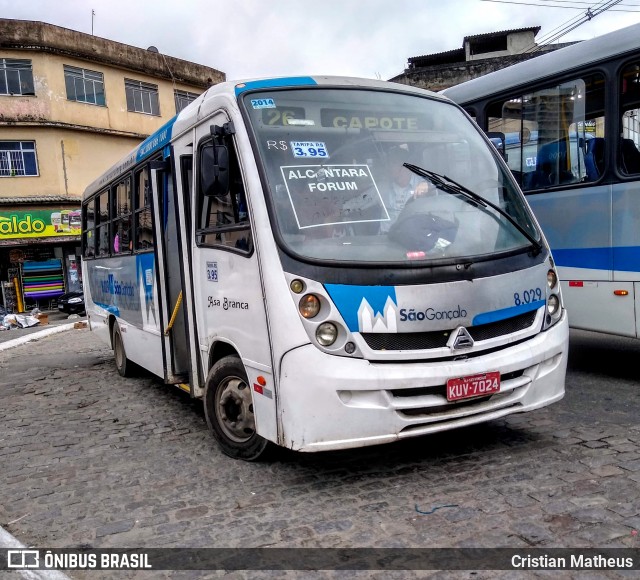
93, 13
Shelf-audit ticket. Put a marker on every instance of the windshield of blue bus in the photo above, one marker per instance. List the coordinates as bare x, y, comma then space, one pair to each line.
333, 160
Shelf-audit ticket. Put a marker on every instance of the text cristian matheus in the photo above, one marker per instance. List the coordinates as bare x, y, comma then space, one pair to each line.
575, 561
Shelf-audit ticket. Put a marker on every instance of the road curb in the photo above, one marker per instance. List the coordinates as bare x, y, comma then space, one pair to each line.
12, 543
35, 336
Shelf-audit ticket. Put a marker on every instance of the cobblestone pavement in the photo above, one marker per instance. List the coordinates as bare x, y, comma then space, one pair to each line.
89, 458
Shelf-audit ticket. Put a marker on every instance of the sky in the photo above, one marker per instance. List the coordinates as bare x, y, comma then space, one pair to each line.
364, 38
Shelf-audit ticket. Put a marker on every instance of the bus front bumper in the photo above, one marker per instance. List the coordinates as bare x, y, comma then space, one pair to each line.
329, 402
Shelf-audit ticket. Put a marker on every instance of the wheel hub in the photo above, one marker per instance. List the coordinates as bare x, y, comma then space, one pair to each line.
234, 409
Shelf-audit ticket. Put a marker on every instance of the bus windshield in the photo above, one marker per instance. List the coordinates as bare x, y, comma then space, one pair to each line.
335, 164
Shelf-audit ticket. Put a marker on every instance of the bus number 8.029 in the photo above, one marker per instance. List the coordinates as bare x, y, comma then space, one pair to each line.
528, 296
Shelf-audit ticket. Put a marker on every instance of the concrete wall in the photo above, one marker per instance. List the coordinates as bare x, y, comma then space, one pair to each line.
68, 161
440, 77
75, 141
517, 42
40, 36
50, 104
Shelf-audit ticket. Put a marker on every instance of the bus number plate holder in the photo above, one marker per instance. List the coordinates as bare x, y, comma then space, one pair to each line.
473, 386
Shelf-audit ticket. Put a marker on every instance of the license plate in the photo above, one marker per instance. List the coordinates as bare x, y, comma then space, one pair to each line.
473, 386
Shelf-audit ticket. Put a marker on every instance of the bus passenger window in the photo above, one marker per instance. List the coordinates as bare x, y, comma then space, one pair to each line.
121, 229
629, 161
142, 211
102, 233
102, 229
88, 237
548, 133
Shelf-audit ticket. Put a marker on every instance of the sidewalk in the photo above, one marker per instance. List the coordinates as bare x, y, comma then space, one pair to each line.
58, 322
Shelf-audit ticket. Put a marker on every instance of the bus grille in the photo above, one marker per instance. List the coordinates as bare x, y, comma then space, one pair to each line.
438, 338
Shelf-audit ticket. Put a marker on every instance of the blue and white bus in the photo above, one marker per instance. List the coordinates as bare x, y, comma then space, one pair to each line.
572, 116
247, 252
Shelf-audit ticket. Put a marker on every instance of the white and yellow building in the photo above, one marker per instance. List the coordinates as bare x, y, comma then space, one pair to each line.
71, 104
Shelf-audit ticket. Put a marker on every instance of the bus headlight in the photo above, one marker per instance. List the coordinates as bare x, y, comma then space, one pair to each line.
309, 306
553, 304
552, 279
326, 334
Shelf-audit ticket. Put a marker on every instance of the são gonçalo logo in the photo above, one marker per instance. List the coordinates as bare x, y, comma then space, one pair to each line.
25, 225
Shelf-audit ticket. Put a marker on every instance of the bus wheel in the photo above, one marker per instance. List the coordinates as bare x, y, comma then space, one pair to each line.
229, 410
123, 364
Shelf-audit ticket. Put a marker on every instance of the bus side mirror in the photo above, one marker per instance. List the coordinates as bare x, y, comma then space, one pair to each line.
214, 170
499, 140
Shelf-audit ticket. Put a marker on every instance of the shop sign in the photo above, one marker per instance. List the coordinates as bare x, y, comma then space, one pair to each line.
40, 223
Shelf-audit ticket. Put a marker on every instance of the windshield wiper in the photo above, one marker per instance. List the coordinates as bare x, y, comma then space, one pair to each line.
453, 187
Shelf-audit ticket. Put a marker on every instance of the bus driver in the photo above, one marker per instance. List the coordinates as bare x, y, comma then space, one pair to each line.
404, 186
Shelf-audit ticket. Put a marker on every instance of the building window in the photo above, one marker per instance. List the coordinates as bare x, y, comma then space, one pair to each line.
183, 98
84, 85
18, 158
142, 97
16, 77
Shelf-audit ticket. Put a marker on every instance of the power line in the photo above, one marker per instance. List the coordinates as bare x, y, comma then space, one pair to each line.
583, 2
559, 29
592, 12
584, 5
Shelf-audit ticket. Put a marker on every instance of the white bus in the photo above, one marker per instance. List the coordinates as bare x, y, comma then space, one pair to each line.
246, 253
578, 110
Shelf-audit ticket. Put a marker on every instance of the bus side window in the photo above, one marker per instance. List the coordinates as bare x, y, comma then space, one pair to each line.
142, 211
121, 229
102, 229
88, 234
186, 170
629, 160
547, 132
224, 218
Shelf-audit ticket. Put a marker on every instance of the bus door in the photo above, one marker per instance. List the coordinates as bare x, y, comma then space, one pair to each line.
228, 293
175, 352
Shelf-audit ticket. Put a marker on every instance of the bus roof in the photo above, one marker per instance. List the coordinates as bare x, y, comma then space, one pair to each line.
598, 49
232, 89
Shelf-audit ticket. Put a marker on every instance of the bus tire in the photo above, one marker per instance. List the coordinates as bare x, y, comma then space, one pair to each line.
125, 367
228, 407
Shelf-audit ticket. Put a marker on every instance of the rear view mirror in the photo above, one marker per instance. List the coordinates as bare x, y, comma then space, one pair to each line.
499, 141
214, 170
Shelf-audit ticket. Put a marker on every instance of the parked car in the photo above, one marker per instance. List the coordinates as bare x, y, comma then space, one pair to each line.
72, 303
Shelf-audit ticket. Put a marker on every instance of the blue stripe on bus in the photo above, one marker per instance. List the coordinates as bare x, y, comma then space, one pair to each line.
626, 258
591, 258
155, 141
505, 313
109, 308
271, 83
622, 258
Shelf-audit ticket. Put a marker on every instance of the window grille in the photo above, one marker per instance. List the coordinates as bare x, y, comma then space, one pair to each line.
18, 158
